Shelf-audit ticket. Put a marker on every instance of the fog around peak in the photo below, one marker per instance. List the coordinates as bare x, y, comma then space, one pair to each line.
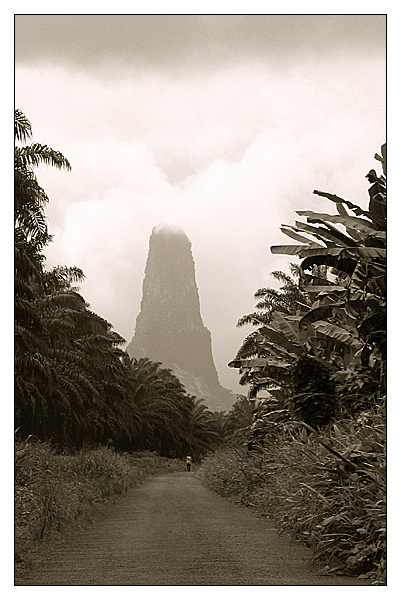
168, 229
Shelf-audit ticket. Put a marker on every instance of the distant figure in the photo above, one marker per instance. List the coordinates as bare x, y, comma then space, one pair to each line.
189, 463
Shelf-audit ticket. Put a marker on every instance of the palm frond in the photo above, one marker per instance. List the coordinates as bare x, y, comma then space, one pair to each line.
22, 126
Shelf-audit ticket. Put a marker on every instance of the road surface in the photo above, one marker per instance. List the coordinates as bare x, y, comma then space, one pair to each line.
173, 531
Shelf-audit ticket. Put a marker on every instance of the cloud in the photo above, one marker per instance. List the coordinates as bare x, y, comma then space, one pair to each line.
116, 43
227, 152
186, 123
231, 212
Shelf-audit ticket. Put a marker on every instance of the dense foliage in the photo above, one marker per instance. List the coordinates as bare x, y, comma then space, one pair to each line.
326, 489
56, 493
320, 345
74, 384
314, 455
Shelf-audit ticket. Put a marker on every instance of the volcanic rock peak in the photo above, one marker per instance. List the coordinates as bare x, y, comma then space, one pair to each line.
169, 328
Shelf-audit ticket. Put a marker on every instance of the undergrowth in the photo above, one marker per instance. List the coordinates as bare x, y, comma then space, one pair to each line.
55, 493
326, 488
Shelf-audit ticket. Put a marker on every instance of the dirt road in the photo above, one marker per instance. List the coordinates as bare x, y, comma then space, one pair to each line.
173, 531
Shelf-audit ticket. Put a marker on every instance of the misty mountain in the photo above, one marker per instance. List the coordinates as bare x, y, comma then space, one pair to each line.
169, 328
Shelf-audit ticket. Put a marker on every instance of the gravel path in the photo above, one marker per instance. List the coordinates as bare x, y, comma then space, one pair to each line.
173, 531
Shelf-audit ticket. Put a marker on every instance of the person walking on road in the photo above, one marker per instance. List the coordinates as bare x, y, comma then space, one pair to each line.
189, 462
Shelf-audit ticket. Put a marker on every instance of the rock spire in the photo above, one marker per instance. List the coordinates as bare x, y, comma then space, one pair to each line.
169, 328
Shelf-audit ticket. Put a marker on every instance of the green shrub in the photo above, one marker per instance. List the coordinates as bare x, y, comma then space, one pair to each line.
313, 400
54, 492
231, 472
327, 488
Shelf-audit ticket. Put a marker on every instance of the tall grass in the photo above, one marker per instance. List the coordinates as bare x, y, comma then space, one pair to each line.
327, 488
56, 492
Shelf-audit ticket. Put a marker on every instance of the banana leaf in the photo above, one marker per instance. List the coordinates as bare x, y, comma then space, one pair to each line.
361, 251
353, 222
324, 288
341, 237
332, 251
273, 349
317, 314
368, 252
327, 236
295, 236
276, 372
305, 228
336, 333
281, 340
249, 363
294, 250
290, 332
341, 209
354, 207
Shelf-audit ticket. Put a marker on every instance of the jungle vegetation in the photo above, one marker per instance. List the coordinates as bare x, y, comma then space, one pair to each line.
314, 455
305, 445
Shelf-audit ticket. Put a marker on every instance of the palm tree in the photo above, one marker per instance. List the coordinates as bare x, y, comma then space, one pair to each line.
70, 381
30, 197
286, 300
239, 421
31, 236
289, 299
163, 408
221, 426
203, 435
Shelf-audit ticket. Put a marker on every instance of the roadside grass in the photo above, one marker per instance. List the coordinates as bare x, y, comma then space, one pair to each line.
326, 488
55, 493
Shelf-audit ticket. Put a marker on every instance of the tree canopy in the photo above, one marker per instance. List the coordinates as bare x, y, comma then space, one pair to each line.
74, 383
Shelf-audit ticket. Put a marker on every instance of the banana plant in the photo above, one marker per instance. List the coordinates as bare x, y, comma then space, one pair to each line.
350, 309
343, 275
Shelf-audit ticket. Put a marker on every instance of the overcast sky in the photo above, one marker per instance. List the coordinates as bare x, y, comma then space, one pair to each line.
223, 125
